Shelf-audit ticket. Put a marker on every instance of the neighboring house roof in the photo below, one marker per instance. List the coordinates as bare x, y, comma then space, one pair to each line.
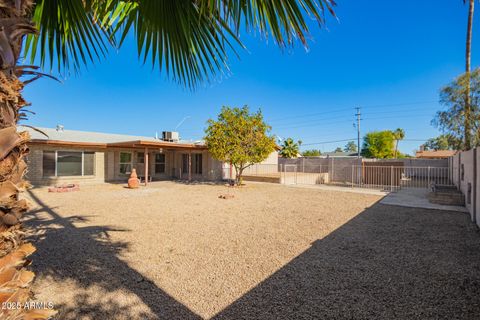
98, 139
439, 154
339, 154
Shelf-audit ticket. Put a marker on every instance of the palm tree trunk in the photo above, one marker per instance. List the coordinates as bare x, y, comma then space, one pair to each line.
467, 71
14, 24
396, 148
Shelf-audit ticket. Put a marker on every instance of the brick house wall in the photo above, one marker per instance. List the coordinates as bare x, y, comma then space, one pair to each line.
35, 167
107, 166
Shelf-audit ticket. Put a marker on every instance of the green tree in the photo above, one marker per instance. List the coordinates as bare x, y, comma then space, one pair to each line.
378, 144
452, 120
350, 147
398, 134
190, 40
311, 153
239, 138
338, 149
290, 149
443, 142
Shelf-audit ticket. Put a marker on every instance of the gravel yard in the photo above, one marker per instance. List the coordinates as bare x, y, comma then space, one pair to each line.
177, 251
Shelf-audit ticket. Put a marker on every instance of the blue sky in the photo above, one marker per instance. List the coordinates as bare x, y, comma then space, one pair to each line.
388, 57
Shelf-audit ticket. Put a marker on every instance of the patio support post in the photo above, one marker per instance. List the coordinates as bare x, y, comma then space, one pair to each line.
190, 166
146, 166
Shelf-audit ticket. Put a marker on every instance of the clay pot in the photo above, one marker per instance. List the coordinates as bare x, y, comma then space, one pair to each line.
133, 181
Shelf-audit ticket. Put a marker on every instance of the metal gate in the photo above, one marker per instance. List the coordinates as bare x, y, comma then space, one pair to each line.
397, 177
289, 174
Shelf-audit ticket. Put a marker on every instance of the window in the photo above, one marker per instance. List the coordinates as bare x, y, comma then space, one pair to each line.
140, 157
88, 163
159, 163
185, 163
49, 163
125, 162
68, 163
197, 163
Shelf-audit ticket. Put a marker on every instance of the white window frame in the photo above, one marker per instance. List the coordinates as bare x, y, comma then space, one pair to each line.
83, 163
120, 162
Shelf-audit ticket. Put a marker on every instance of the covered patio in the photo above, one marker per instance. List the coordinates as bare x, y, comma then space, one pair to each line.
164, 160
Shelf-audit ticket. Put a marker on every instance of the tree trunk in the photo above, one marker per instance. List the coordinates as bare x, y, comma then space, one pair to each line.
396, 148
468, 53
15, 280
239, 178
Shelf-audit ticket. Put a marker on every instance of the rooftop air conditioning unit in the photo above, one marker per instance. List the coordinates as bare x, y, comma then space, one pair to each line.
171, 136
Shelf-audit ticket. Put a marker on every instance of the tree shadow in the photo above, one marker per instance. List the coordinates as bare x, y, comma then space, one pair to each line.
87, 257
386, 263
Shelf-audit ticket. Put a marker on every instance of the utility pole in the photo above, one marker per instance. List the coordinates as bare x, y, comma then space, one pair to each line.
358, 131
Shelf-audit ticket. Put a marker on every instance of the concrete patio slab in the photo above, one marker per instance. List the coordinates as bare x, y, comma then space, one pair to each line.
416, 198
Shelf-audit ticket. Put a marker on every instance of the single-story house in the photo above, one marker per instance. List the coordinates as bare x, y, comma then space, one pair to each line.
432, 154
70, 156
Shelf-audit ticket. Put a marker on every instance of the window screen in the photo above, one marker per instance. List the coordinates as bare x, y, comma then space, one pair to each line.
185, 163
140, 157
125, 162
48, 163
197, 163
88, 163
159, 163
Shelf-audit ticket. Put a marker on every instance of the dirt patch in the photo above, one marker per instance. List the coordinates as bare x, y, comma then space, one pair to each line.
177, 251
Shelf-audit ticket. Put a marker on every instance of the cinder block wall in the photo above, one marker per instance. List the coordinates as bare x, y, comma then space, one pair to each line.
466, 178
35, 167
465, 168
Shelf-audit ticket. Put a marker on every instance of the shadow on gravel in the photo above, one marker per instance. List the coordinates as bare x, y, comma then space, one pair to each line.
87, 256
387, 263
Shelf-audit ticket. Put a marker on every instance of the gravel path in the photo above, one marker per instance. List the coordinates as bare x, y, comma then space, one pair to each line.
175, 251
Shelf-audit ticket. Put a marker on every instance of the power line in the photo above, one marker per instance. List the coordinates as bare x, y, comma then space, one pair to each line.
326, 142
313, 121
397, 117
346, 109
326, 123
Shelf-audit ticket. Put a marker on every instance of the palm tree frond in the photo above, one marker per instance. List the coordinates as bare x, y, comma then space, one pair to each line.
284, 20
68, 35
174, 35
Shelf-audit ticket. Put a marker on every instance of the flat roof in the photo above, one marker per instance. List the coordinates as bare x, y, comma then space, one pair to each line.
78, 138
435, 154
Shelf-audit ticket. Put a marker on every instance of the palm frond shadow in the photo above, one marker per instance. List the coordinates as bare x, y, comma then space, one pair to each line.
87, 256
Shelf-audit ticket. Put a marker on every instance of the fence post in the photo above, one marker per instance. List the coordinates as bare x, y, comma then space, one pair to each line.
333, 169
352, 175
428, 177
391, 178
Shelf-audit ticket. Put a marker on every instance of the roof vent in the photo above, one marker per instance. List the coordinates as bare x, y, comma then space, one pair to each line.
171, 136
59, 127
